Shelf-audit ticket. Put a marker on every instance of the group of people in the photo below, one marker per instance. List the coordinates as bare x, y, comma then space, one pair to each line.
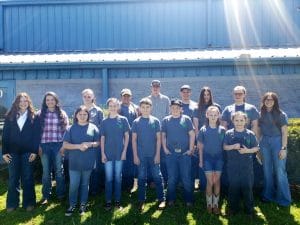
161, 141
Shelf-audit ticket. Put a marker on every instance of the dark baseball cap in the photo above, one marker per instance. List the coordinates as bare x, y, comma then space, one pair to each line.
176, 101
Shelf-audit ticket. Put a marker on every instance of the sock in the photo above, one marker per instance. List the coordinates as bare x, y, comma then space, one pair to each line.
216, 200
209, 200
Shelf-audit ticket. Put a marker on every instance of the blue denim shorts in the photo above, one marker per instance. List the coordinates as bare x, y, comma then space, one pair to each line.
213, 165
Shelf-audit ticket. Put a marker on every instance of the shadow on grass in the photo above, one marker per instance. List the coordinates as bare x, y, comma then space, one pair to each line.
53, 213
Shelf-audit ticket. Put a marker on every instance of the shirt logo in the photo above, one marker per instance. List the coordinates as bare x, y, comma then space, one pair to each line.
183, 124
119, 124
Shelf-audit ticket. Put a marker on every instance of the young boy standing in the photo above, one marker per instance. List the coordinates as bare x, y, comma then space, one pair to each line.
146, 144
178, 138
240, 144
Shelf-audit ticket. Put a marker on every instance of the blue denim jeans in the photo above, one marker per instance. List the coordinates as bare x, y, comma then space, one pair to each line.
240, 184
79, 182
96, 175
129, 169
20, 172
276, 188
113, 174
148, 163
52, 159
179, 166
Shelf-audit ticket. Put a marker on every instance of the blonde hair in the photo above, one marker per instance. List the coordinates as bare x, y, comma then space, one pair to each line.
90, 91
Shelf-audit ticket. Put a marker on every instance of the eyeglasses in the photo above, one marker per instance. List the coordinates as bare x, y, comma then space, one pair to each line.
238, 93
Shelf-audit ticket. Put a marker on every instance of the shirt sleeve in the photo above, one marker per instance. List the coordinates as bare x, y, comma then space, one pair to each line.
157, 126
227, 138
190, 124
96, 134
102, 128
5, 137
126, 125
134, 127
67, 136
254, 114
196, 113
283, 119
100, 117
253, 140
66, 118
164, 126
36, 135
200, 136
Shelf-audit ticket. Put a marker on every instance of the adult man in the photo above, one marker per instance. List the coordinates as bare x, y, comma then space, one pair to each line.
160, 109
188, 105
160, 102
188, 108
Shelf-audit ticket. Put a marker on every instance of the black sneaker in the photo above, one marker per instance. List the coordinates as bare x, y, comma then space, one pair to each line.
82, 209
118, 205
107, 206
70, 211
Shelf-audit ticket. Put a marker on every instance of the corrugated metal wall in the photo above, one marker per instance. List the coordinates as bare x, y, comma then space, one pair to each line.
51, 26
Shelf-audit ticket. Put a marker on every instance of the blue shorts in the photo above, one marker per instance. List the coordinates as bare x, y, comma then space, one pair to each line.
213, 165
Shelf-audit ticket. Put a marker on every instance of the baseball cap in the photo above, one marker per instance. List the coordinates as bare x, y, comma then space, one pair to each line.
186, 86
126, 91
155, 83
176, 102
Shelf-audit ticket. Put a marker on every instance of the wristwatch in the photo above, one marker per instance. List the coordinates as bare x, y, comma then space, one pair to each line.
283, 148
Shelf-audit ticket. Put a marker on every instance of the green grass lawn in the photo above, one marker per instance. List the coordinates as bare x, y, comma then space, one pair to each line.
129, 215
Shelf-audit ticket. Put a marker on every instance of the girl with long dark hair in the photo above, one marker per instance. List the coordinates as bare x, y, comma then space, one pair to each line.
54, 122
273, 124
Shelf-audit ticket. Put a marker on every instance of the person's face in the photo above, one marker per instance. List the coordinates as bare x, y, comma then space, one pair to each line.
126, 99
113, 107
213, 115
155, 89
185, 94
206, 96
239, 96
88, 97
82, 117
175, 110
145, 109
269, 102
50, 102
23, 104
239, 122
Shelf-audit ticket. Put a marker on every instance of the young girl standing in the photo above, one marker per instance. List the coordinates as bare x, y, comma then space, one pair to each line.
239, 144
20, 143
210, 145
53, 121
114, 141
81, 140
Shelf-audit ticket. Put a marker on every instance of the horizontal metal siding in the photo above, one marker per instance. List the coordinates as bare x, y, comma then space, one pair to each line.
86, 26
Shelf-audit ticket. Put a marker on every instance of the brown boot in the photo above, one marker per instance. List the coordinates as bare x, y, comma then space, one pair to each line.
216, 210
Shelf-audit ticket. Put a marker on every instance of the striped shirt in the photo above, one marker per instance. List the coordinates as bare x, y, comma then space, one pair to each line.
52, 131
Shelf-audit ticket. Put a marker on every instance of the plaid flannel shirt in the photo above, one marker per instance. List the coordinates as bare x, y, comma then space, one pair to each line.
52, 131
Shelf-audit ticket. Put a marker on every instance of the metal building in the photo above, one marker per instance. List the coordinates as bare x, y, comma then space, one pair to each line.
68, 45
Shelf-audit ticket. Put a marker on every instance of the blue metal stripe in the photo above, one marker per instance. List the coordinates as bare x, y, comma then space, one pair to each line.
1, 28
105, 85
